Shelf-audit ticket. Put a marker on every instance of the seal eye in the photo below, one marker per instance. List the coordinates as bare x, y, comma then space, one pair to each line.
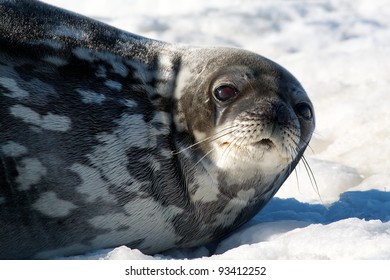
225, 92
304, 110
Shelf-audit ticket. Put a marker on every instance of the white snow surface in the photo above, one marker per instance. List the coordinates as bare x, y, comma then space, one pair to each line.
340, 51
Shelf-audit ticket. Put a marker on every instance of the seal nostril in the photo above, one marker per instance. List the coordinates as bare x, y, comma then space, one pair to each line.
304, 110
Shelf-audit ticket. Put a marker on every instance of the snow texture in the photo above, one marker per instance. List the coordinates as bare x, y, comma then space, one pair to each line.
339, 50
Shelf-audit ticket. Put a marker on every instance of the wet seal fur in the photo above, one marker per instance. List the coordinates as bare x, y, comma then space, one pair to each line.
109, 138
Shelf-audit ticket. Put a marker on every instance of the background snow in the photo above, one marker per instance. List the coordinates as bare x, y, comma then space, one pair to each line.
340, 52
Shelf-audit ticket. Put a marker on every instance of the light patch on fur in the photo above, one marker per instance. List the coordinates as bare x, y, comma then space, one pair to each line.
199, 135
165, 88
91, 97
11, 85
113, 85
184, 78
84, 54
110, 156
50, 205
130, 103
165, 61
134, 132
112, 221
206, 181
139, 222
120, 68
116, 63
65, 31
2, 200
93, 186
30, 171
165, 75
13, 149
234, 207
207, 190
180, 121
49, 121
142, 72
55, 60
163, 118
101, 72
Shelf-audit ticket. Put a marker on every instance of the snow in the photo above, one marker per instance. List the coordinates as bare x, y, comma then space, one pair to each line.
340, 52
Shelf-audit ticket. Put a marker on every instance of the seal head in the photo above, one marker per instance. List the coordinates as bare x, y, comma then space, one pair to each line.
256, 120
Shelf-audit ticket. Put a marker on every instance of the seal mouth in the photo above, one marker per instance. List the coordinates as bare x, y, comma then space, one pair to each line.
265, 143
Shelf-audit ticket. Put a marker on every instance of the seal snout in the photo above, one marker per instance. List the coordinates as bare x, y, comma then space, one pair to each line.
266, 129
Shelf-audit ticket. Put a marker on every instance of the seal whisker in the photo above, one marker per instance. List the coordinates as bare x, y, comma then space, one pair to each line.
312, 178
203, 157
311, 149
209, 139
297, 179
228, 149
306, 143
307, 168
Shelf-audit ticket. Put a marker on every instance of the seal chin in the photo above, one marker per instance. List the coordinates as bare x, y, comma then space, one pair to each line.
264, 154
286, 152
257, 149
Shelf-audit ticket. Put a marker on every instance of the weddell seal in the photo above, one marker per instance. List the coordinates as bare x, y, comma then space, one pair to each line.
108, 138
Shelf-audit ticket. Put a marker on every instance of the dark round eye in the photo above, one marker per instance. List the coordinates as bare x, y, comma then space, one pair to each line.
225, 92
304, 110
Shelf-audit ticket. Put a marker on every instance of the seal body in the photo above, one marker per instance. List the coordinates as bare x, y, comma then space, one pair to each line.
108, 138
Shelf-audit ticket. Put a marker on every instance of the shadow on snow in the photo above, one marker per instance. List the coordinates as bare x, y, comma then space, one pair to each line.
366, 205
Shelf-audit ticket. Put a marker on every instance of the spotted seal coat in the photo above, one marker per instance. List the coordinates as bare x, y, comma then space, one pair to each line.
109, 138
